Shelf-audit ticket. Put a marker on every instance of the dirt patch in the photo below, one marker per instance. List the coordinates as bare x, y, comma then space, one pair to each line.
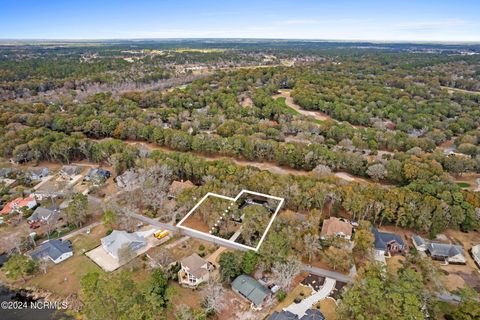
194, 222
472, 179
453, 90
246, 101
453, 282
395, 263
327, 307
234, 307
189, 247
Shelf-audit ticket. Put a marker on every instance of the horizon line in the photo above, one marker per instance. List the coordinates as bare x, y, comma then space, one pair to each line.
384, 41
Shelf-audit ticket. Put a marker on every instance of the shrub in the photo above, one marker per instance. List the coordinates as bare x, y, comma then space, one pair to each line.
281, 295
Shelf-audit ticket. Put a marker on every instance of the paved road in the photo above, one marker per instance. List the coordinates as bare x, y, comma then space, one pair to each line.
81, 230
327, 273
153, 222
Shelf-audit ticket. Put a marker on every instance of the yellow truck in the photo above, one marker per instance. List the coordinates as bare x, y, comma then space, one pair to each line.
161, 234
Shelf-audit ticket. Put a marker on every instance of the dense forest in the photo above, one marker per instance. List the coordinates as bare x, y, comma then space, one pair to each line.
379, 134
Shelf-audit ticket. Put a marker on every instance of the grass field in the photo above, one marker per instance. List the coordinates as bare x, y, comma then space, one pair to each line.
463, 184
288, 110
327, 307
64, 278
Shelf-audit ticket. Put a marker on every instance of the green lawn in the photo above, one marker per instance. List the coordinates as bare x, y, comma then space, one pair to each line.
463, 184
64, 278
288, 109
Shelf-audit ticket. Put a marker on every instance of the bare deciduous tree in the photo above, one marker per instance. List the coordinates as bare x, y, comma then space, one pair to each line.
312, 245
214, 295
161, 260
377, 171
284, 272
322, 171
155, 182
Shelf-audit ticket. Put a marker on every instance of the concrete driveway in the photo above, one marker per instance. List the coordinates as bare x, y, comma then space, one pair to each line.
300, 308
108, 263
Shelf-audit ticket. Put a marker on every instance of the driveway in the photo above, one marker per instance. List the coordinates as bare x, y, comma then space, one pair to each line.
108, 263
300, 308
82, 230
326, 273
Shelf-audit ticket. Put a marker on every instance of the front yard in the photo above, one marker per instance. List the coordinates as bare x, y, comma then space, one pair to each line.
64, 278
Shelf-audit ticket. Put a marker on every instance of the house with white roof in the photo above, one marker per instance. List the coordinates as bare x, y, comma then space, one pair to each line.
117, 240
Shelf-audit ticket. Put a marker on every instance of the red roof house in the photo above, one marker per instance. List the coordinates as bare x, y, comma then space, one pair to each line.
18, 203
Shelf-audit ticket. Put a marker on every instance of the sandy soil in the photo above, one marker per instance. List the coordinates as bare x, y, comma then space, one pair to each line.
348, 177
194, 222
471, 179
246, 102
289, 101
327, 307
453, 282
452, 90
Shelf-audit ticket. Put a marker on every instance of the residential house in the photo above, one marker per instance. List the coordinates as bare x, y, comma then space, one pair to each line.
55, 250
7, 182
15, 205
115, 241
419, 243
251, 290
449, 253
68, 172
42, 215
310, 314
335, 227
97, 175
37, 173
475, 252
387, 243
6, 172
128, 180
178, 186
194, 271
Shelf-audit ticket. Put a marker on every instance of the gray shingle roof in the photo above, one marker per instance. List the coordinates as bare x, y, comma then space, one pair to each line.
310, 314
117, 239
37, 172
250, 289
194, 263
41, 214
52, 248
419, 240
70, 170
313, 314
97, 173
444, 250
383, 238
284, 315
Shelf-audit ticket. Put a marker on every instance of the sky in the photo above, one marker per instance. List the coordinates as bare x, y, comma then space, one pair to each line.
387, 20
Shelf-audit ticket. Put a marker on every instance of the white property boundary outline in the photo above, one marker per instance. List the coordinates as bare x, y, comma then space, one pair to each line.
282, 200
